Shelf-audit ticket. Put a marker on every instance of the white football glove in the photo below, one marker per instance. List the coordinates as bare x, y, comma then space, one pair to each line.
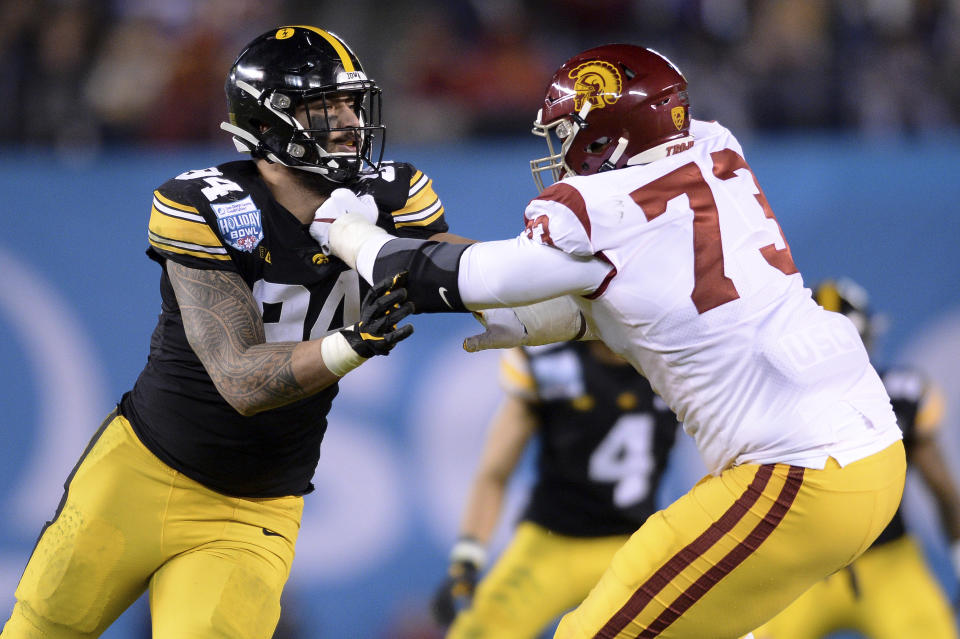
503, 330
554, 320
340, 202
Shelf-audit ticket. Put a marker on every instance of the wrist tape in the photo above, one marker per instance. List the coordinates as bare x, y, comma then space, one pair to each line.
469, 550
338, 356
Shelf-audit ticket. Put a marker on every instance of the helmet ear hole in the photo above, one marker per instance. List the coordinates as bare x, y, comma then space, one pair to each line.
598, 145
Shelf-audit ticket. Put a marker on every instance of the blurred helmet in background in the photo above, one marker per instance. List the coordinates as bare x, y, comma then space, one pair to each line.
302, 66
610, 106
844, 296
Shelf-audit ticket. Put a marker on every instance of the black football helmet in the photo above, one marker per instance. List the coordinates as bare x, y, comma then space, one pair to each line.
844, 296
303, 67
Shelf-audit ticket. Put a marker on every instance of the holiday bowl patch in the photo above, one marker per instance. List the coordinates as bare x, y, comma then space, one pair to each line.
240, 223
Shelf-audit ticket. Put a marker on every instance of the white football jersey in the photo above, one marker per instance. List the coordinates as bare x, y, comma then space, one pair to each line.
704, 299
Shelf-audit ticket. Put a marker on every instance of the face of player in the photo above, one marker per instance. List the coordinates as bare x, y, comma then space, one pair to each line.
331, 120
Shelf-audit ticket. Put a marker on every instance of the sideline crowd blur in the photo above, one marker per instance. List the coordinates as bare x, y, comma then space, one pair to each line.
89, 73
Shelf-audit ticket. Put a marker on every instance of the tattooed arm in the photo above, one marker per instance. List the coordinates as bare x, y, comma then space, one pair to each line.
225, 330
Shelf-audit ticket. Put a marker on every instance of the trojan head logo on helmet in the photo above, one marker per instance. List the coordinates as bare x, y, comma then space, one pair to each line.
610, 106
281, 92
596, 82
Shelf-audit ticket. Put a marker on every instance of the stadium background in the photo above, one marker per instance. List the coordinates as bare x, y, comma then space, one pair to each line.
847, 110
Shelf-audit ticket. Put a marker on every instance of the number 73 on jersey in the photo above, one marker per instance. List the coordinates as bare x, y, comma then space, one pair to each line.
712, 287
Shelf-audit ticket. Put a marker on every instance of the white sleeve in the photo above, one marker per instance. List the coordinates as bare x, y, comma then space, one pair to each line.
520, 271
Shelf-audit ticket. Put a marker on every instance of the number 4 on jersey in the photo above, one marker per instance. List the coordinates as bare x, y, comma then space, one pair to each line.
216, 187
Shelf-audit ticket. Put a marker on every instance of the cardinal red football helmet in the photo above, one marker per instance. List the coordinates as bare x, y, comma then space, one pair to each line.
606, 106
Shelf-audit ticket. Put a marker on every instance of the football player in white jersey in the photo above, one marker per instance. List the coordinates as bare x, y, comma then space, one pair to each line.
657, 239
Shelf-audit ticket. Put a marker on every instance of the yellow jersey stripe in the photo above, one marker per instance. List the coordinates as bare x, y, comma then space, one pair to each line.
423, 203
335, 43
203, 248
176, 205
516, 378
182, 229
170, 248
417, 182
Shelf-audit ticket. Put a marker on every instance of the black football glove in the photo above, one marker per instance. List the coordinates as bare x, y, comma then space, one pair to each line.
455, 593
384, 306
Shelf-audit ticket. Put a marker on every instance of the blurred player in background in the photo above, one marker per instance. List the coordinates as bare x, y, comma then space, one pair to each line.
193, 488
889, 592
658, 239
603, 438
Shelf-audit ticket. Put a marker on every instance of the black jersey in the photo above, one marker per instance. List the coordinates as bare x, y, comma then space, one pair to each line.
226, 218
909, 393
604, 437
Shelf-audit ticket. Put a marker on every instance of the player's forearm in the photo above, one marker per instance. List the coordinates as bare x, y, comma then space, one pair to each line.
226, 333
483, 510
510, 430
447, 277
268, 376
451, 277
273, 375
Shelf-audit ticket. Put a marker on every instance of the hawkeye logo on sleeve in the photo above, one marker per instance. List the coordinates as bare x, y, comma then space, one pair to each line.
240, 224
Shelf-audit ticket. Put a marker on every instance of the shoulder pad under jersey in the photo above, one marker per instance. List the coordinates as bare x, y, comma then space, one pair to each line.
558, 217
198, 214
406, 199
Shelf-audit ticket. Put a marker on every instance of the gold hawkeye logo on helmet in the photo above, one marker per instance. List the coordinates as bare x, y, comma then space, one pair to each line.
596, 82
284, 33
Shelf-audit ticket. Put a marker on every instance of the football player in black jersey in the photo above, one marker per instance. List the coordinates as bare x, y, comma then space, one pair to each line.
889, 591
192, 488
604, 437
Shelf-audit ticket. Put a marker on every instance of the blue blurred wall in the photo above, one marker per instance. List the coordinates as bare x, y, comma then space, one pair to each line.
78, 300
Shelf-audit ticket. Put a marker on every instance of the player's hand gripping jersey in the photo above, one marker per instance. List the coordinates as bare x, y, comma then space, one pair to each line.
226, 218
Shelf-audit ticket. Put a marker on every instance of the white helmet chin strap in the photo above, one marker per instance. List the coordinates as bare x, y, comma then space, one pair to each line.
611, 162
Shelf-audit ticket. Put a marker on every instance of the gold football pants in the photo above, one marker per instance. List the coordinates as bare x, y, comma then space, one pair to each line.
888, 593
215, 565
539, 576
738, 548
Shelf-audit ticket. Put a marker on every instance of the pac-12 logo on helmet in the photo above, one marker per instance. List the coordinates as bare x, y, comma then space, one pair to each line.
679, 115
596, 82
